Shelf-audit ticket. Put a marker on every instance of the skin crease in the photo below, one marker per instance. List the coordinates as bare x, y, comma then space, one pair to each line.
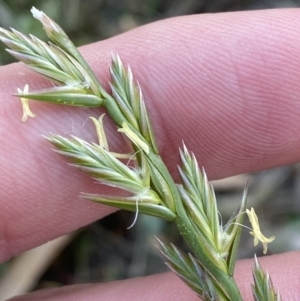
225, 83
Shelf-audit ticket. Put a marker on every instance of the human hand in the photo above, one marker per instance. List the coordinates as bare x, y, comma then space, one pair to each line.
225, 83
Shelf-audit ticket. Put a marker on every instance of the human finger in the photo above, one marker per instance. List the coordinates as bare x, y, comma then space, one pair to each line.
283, 269
225, 83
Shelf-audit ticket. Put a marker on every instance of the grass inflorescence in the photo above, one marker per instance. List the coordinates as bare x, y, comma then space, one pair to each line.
191, 204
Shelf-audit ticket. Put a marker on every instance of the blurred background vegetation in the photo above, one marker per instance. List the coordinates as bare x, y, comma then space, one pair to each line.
106, 250
91, 20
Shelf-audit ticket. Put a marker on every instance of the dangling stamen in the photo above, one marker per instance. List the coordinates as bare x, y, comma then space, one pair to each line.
258, 236
25, 104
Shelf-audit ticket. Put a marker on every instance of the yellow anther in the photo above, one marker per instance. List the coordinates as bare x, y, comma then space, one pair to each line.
134, 137
98, 123
258, 236
25, 104
100, 131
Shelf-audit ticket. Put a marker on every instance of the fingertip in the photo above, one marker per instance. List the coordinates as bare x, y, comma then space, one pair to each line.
283, 269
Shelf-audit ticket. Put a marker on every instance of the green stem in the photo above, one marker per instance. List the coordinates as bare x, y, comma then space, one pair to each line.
227, 282
186, 229
182, 220
113, 110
